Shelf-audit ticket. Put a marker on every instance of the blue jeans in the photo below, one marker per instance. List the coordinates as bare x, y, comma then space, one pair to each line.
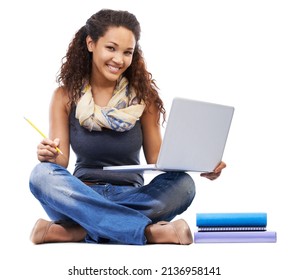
117, 214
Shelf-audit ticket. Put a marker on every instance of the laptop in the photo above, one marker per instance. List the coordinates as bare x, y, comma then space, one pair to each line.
194, 138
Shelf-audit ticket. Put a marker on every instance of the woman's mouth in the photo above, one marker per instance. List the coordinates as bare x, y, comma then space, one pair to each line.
113, 69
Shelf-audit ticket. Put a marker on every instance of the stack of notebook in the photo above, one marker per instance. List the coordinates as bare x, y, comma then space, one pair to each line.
233, 228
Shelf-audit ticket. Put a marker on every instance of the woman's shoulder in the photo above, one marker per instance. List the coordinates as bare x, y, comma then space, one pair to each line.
60, 97
61, 92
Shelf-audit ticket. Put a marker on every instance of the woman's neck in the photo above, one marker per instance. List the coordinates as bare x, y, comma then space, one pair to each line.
102, 92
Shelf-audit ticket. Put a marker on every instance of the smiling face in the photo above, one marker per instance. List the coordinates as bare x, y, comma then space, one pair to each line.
112, 54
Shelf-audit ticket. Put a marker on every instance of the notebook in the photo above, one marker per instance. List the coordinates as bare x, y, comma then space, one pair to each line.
194, 138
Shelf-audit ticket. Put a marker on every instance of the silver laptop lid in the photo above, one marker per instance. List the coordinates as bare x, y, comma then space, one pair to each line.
195, 136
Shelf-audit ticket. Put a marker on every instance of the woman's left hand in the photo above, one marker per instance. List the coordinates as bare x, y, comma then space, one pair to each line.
216, 173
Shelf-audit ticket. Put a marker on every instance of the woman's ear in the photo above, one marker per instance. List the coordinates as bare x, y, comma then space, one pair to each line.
89, 43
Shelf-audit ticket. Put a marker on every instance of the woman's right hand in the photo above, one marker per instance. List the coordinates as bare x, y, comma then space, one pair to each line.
46, 150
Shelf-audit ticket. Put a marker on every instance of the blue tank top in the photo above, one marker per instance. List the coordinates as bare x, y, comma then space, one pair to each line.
96, 149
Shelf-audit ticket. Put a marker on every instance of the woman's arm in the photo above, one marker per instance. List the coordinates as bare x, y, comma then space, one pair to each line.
58, 131
152, 138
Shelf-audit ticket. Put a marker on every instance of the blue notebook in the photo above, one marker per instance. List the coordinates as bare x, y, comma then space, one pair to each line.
245, 219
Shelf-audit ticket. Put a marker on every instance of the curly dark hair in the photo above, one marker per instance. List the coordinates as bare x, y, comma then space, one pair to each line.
77, 64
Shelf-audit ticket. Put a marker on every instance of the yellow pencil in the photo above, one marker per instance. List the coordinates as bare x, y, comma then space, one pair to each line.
43, 135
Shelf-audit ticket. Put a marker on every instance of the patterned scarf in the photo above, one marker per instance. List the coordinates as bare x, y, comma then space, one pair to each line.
120, 114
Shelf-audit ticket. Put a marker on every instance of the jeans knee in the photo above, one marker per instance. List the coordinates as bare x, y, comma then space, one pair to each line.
35, 178
187, 187
178, 192
180, 184
38, 177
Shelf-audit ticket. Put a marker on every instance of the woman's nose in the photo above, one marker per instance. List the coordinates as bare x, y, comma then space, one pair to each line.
118, 58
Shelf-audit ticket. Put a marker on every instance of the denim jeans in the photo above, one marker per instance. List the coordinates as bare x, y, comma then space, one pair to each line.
109, 213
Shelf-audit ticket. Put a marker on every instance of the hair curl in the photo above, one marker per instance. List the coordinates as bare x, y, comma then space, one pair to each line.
77, 64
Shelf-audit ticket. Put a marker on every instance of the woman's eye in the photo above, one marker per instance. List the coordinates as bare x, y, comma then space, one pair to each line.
110, 48
128, 53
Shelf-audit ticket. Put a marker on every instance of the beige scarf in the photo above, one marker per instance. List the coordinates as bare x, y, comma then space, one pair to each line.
120, 114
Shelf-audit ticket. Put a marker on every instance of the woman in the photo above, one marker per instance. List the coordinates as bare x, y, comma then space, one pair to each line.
107, 107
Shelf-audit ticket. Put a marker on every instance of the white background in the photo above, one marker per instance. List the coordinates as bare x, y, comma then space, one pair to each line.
230, 52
